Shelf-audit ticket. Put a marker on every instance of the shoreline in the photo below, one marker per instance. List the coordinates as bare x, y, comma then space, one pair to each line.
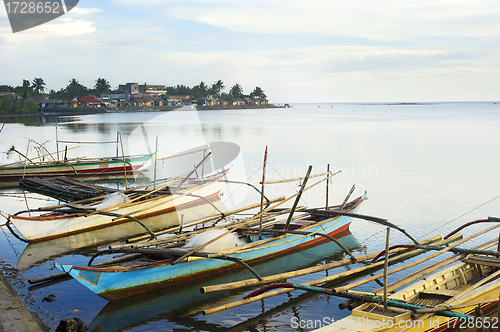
102, 110
16, 316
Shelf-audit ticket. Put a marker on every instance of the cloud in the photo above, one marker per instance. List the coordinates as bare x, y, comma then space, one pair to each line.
78, 11
383, 19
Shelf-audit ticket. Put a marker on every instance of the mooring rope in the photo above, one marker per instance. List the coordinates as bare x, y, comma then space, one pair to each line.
477, 207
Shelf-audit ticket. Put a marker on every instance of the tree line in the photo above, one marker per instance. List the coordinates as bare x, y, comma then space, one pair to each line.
216, 89
38, 86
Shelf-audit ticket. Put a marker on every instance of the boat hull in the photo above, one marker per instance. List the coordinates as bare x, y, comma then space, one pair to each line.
156, 214
113, 284
88, 170
369, 317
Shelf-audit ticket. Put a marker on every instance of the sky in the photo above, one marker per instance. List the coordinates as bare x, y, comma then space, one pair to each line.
296, 51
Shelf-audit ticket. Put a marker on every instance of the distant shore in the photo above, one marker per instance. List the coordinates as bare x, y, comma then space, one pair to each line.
100, 110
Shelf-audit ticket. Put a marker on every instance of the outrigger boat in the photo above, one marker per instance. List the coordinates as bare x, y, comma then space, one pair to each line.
88, 169
455, 298
159, 268
135, 210
445, 300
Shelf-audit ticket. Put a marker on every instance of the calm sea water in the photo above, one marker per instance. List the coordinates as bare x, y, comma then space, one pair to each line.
428, 168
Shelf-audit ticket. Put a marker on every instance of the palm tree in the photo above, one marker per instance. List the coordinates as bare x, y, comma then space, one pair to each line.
75, 87
38, 86
217, 87
203, 87
102, 86
236, 91
26, 89
258, 92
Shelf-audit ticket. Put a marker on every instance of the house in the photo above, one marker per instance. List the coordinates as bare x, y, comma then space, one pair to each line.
89, 101
12, 96
129, 88
238, 102
52, 103
177, 100
208, 101
142, 100
249, 101
156, 90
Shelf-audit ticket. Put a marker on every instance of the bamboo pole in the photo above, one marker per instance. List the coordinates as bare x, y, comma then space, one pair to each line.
347, 197
297, 199
123, 159
151, 192
89, 142
156, 161
329, 174
234, 228
428, 269
327, 182
464, 292
298, 273
315, 282
117, 142
453, 307
26, 159
364, 281
386, 264
64, 274
57, 143
253, 206
39, 157
262, 192
175, 238
184, 154
88, 200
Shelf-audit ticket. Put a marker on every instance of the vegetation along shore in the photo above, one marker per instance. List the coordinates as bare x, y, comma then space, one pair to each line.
32, 98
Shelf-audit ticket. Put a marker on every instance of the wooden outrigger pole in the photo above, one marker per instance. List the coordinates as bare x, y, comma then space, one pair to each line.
262, 193
362, 297
330, 278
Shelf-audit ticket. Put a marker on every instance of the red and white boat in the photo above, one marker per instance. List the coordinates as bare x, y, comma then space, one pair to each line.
135, 210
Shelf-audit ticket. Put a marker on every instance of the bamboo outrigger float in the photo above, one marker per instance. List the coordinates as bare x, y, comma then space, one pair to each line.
88, 169
454, 298
137, 211
142, 275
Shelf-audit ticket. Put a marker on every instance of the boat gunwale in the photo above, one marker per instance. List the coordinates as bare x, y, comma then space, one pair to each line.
242, 249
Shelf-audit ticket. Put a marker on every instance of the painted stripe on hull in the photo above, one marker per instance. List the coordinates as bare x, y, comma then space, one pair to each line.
174, 209
115, 284
10, 176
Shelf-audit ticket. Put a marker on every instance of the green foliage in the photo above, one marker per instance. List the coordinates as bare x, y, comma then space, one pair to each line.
217, 88
6, 88
5, 106
38, 86
26, 89
258, 93
74, 87
236, 91
24, 106
102, 86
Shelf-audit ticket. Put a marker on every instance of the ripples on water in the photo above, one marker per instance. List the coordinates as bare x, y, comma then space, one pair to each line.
423, 166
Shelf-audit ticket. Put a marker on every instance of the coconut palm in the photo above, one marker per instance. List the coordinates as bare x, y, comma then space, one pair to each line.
217, 87
38, 85
102, 86
236, 91
75, 87
258, 92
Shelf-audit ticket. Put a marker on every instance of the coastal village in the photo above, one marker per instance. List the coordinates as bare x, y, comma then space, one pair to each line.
131, 96
137, 95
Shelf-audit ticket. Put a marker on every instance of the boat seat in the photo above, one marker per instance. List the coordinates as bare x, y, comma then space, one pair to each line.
482, 260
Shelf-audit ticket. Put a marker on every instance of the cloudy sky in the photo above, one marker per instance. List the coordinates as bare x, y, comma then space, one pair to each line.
296, 50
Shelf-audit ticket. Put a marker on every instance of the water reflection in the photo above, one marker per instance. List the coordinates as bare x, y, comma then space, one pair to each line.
180, 306
86, 242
